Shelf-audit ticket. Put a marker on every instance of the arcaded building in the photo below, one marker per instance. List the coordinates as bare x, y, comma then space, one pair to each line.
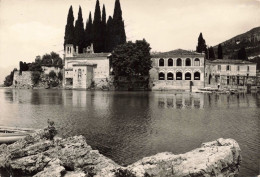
230, 73
177, 69
81, 70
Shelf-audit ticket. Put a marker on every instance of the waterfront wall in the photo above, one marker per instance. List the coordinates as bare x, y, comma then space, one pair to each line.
35, 155
23, 79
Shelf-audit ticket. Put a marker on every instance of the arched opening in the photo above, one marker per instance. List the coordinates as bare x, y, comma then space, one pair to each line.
179, 62
170, 62
161, 76
187, 76
188, 62
169, 76
179, 76
197, 62
161, 62
196, 76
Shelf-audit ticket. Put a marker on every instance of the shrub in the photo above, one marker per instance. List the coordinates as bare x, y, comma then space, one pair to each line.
36, 75
52, 74
60, 76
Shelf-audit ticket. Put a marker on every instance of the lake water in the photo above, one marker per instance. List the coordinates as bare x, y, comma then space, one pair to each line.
127, 126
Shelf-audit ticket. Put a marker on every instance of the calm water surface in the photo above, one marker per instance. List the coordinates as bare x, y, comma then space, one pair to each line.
127, 126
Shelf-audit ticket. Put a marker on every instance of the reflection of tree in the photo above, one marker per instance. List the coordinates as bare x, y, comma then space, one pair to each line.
9, 96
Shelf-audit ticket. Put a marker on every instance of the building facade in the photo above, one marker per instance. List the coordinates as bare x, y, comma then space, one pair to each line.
82, 70
230, 73
177, 69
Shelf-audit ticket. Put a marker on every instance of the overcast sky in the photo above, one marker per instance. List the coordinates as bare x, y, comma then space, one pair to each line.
35, 27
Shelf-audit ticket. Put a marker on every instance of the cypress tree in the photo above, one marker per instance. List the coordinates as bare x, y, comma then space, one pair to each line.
220, 53
103, 28
242, 54
119, 36
97, 29
109, 35
211, 53
201, 47
69, 29
79, 32
88, 31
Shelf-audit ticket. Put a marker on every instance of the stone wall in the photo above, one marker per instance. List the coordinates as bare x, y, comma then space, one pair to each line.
69, 157
23, 80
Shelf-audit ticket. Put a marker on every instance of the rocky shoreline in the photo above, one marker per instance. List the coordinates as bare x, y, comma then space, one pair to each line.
38, 156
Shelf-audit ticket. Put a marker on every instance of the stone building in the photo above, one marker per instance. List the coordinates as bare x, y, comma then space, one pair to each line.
177, 69
81, 70
22, 79
230, 73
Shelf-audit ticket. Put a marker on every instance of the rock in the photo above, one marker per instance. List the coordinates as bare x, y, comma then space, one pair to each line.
73, 157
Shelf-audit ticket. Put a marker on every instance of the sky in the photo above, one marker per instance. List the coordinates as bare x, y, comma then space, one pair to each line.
34, 27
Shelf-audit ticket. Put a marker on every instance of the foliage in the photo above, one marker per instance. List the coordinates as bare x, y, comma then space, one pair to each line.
211, 53
88, 31
52, 59
257, 61
109, 35
123, 172
52, 75
132, 59
36, 75
79, 33
201, 47
50, 131
220, 53
23, 66
9, 79
69, 29
241, 54
97, 30
60, 76
103, 29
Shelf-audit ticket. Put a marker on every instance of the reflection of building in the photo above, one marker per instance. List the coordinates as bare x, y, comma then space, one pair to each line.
81, 70
228, 72
177, 69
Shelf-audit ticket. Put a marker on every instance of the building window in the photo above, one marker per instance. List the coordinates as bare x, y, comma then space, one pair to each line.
187, 76
219, 67
227, 80
247, 68
79, 74
169, 76
238, 68
170, 62
187, 62
197, 62
161, 76
228, 68
179, 76
197, 76
161, 62
179, 62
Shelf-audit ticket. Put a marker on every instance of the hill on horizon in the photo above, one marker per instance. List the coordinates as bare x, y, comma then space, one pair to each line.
250, 40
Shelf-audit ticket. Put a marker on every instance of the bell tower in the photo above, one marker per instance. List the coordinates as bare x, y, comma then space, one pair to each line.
69, 50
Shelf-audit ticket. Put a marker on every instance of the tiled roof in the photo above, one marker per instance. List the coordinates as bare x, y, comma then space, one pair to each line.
177, 52
230, 61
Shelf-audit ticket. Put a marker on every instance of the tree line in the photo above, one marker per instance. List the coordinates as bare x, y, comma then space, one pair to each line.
210, 53
104, 34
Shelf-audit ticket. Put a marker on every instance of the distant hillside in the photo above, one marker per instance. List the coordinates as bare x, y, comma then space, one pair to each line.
250, 40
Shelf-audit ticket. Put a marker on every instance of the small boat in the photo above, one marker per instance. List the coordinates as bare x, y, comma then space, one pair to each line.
11, 134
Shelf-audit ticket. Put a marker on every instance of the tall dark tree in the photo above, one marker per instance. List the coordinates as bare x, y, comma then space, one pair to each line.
97, 29
69, 29
211, 53
220, 53
109, 35
119, 36
242, 54
88, 31
103, 28
79, 32
201, 47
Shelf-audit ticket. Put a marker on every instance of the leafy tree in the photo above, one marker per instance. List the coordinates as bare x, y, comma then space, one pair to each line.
242, 54
220, 53
97, 29
132, 59
52, 75
9, 79
23, 66
88, 31
118, 27
79, 33
69, 29
60, 76
36, 75
103, 23
211, 53
201, 47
